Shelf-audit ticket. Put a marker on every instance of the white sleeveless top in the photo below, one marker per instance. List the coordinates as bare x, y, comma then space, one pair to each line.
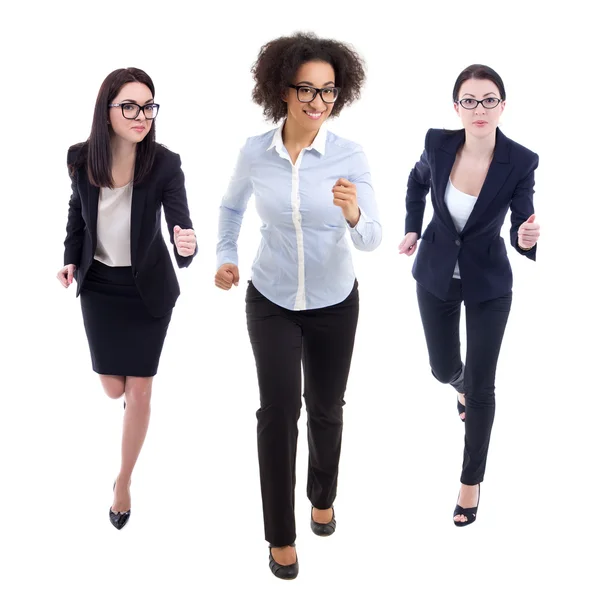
460, 206
114, 226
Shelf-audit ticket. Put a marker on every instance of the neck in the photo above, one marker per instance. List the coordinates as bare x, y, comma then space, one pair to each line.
123, 152
295, 137
480, 147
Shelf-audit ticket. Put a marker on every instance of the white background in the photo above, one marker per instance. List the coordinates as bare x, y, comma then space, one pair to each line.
196, 527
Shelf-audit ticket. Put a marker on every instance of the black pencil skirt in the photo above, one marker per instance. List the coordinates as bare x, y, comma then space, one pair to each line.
124, 338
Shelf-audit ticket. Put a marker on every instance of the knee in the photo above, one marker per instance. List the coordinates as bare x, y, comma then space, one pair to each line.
280, 409
444, 375
114, 389
484, 396
138, 394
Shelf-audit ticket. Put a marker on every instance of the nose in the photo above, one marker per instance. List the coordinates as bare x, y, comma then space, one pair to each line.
141, 116
317, 104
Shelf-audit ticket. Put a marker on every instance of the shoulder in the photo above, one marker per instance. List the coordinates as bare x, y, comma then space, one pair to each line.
434, 138
164, 158
340, 145
521, 155
76, 153
77, 157
259, 143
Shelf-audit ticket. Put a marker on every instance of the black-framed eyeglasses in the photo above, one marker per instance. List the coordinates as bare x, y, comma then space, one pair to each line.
131, 110
307, 93
471, 103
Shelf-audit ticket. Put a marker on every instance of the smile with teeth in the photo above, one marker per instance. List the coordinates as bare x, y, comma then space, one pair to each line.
314, 115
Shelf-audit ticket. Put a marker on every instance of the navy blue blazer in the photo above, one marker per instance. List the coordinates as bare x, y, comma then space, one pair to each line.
163, 187
480, 250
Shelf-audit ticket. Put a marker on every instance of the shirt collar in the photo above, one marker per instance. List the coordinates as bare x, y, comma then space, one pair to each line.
318, 144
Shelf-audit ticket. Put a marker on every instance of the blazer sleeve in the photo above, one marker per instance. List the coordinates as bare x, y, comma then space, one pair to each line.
175, 205
75, 223
419, 183
521, 207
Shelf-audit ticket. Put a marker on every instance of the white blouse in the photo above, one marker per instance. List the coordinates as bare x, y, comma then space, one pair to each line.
114, 226
460, 206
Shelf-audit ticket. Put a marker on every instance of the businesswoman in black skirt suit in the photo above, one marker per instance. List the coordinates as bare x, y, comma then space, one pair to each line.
120, 179
475, 175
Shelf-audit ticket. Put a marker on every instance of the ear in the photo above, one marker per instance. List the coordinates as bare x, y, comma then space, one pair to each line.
456, 108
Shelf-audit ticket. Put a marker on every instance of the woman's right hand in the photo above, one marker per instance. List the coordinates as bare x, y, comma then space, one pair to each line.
65, 275
227, 275
408, 244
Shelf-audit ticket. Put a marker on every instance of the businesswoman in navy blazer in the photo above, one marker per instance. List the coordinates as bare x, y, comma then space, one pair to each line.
475, 176
120, 179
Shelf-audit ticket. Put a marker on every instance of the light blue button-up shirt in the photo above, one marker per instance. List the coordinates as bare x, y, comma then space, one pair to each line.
304, 260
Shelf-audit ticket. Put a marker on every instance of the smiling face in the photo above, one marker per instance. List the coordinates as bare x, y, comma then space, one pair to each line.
309, 116
131, 130
483, 118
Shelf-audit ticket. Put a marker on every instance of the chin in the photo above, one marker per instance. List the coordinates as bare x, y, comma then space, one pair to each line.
482, 132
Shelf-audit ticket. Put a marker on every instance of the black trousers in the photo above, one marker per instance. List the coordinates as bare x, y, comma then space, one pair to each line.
486, 322
283, 341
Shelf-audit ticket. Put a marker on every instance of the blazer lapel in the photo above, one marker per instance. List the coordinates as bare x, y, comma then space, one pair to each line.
445, 156
138, 203
497, 174
93, 195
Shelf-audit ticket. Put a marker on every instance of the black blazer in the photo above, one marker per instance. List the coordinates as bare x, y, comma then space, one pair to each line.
480, 250
152, 266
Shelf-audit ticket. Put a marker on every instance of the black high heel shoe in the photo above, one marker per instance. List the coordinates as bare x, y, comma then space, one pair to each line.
461, 409
118, 519
323, 529
283, 571
470, 513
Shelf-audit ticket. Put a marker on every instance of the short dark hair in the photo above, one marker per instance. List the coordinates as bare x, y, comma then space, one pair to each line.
279, 60
96, 153
479, 72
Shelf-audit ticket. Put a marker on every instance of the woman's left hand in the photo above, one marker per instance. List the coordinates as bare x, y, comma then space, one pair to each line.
528, 234
344, 196
185, 241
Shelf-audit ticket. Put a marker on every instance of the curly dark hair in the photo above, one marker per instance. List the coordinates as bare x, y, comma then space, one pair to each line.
279, 60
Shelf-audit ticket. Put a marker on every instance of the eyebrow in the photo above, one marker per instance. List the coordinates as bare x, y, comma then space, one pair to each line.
488, 94
135, 101
313, 85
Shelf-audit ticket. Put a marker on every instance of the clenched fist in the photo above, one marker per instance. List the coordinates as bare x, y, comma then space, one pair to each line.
409, 244
65, 275
227, 275
528, 234
185, 241
344, 196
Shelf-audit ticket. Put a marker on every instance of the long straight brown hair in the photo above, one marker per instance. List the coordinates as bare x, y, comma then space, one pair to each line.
96, 153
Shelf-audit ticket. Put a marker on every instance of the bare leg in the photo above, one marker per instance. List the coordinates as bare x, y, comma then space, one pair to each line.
461, 399
114, 385
138, 391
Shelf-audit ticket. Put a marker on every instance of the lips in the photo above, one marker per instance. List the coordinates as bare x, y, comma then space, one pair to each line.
139, 129
479, 123
315, 116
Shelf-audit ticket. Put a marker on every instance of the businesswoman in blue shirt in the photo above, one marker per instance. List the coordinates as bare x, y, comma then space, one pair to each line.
475, 175
311, 188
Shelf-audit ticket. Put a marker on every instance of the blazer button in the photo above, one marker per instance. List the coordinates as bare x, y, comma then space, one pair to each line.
457, 242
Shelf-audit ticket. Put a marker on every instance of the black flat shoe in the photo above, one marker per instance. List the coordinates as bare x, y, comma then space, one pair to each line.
470, 513
322, 529
461, 409
118, 519
283, 571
